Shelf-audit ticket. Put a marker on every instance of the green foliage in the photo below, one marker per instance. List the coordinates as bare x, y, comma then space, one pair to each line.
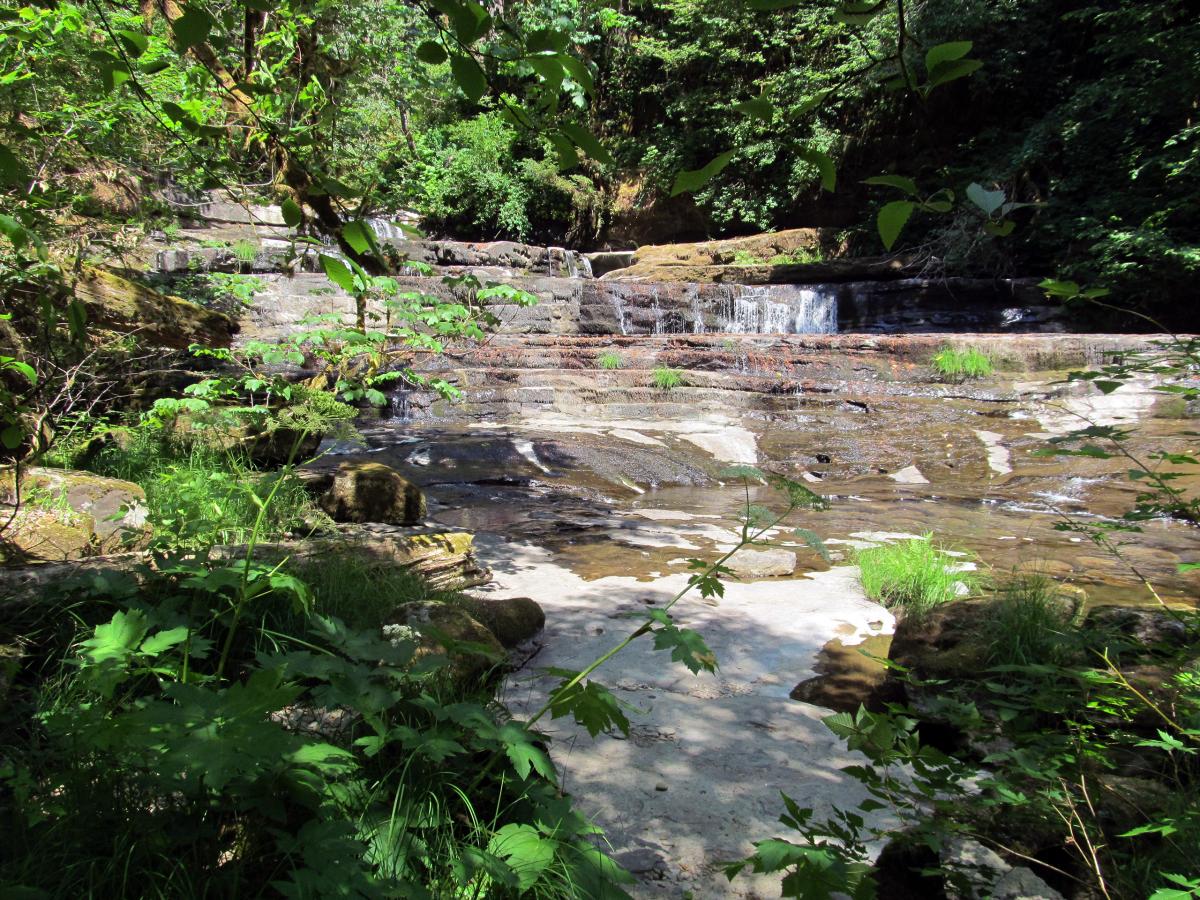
665, 379
958, 364
198, 496
912, 575
609, 360
476, 177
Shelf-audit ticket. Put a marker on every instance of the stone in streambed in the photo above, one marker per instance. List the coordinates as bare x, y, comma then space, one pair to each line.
439, 627
774, 562
372, 492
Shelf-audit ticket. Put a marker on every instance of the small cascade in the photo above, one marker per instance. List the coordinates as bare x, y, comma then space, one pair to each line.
400, 406
386, 229
697, 314
618, 303
656, 308
779, 309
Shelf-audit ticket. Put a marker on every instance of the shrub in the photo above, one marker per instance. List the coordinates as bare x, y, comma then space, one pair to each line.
479, 179
912, 575
666, 379
958, 365
609, 360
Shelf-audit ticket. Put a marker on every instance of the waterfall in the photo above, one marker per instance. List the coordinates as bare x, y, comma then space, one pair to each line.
779, 309
697, 313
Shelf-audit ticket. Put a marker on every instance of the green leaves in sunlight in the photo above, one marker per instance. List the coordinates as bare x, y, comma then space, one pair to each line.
695, 179
891, 219
589, 703
686, 646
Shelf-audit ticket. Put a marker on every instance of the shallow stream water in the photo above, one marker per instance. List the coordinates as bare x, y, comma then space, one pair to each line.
597, 519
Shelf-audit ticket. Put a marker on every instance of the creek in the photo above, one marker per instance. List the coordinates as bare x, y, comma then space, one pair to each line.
590, 488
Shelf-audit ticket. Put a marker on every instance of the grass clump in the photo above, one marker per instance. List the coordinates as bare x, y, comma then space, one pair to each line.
912, 576
1030, 624
665, 379
244, 251
956, 364
610, 360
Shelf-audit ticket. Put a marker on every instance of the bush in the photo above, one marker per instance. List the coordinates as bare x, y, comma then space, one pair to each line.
197, 496
913, 575
609, 360
666, 379
958, 365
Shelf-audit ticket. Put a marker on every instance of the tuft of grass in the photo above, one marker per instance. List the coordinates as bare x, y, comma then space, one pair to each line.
609, 360
363, 593
244, 250
912, 576
1029, 624
959, 364
666, 379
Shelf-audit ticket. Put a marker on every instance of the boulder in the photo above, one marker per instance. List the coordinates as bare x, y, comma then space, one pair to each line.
119, 304
1145, 628
987, 874
769, 563
513, 620
438, 628
65, 514
446, 560
373, 492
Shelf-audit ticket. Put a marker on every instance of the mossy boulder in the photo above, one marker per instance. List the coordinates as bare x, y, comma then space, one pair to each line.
372, 492
64, 514
449, 630
513, 620
116, 303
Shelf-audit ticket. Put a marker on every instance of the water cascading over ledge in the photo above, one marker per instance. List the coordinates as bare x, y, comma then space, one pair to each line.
631, 308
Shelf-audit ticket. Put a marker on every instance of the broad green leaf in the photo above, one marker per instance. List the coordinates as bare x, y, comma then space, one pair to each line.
945, 53
431, 53
116, 639
899, 182
756, 108
469, 76
192, 28
824, 165
359, 236
988, 201
134, 42
163, 640
338, 273
954, 69
1000, 229
579, 72
588, 143
697, 178
891, 220
525, 851
293, 215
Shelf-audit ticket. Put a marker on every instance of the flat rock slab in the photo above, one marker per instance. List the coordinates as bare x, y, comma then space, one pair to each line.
698, 779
